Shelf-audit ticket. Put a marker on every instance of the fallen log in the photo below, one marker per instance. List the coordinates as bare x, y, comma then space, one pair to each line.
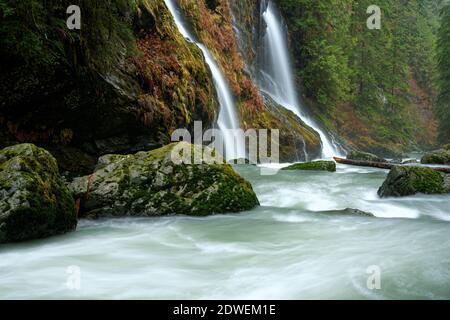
381, 165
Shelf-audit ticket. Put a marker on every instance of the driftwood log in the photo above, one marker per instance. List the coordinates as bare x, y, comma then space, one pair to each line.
381, 165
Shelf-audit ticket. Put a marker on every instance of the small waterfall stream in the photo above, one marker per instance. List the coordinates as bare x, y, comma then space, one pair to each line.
228, 120
276, 76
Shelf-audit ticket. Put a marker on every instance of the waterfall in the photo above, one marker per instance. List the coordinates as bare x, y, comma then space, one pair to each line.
276, 78
228, 121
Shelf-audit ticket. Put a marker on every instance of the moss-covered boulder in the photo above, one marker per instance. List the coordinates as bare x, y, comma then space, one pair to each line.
408, 180
152, 184
314, 165
364, 156
34, 201
437, 157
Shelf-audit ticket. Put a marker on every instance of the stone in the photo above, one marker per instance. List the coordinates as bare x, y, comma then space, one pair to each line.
34, 200
151, 184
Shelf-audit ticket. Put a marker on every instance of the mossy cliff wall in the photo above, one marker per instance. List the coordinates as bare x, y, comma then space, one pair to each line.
122, 83
223, 26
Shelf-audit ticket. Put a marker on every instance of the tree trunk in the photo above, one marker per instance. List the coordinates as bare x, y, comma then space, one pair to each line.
381, 165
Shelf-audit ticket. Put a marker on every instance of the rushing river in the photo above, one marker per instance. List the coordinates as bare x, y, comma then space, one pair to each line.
285, 249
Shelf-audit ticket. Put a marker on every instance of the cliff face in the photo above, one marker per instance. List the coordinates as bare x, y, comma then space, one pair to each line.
230, 30
122, 83
126, 80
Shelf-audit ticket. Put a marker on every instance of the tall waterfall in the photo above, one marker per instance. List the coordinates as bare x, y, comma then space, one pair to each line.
228, 121
276, 76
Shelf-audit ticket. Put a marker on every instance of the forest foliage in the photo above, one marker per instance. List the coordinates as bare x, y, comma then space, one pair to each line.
443, 54
342, 64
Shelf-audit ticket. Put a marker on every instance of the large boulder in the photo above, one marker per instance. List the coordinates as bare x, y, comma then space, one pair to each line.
408, 180
152, 184
34, 201
314, 166
437, 157
364, 156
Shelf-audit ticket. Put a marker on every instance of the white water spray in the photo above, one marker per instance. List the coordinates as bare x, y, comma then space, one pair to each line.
228, 121
277, 79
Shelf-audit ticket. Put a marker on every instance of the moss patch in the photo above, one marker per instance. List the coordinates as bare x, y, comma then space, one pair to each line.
409, 180
151, 184
34, 201
437, 157
314, 166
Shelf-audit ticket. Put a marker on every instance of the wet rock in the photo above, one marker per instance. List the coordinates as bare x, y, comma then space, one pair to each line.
437, 157
409, 180
151, 184
34, 201
314, 165
349, 212
412, 161
364, 156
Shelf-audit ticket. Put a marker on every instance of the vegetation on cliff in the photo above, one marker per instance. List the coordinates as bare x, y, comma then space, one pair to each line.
374, 87
212, 22
122, 83
443, 106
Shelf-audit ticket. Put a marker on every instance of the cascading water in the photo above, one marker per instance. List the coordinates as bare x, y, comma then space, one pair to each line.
228, 121
276, 77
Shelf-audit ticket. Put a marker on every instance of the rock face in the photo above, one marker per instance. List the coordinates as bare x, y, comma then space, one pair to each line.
437, 157
349, 212
34, 201
151, 184
358, 155
144, 78
406, 180
315, 165
412, 161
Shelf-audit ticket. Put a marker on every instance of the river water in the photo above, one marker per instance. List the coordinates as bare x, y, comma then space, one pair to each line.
285, 249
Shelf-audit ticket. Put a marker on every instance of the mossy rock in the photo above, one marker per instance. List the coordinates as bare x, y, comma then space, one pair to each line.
152, 184
297, 141
364, 156
34, 201
314, 165
409, 180
349, 212
437, 157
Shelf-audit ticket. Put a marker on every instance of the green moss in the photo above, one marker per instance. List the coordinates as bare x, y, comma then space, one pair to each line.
409, 180
437, 157
426, 180
315, 165
150, 184
34, 199
364, 156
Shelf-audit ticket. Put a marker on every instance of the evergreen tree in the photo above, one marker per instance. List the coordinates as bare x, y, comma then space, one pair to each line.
443, 107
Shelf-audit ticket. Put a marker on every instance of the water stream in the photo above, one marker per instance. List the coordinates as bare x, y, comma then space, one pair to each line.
276, 76
228, 120
286, 249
